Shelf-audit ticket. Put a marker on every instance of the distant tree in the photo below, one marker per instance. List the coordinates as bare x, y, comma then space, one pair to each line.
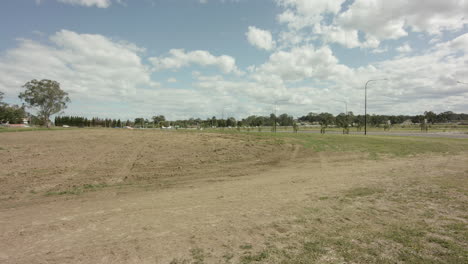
325, 120
285, 120
310, 117
158, 119
344, 121
430, 116
12, 114
214, 121
417, 119
231, 122
139, 122
46, 96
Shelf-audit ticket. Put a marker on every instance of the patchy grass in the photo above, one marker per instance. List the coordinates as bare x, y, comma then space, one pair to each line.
78, 190
28, 129
362, 191
257, 257
373, 145
245, 246
198, 255
422, 223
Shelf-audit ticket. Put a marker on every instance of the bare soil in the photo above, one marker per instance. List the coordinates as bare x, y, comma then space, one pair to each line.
117, 196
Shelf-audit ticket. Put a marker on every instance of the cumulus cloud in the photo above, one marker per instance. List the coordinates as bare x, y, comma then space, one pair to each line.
303, 62
86, 65
260, 38
89, 3
392, 19
303, 13
405, 48
377, 20
178, 58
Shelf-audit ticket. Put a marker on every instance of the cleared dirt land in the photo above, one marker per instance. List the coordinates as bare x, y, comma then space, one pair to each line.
120, 196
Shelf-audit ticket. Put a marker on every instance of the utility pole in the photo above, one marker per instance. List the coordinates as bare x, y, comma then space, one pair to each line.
346, 105
276, 106
365, 102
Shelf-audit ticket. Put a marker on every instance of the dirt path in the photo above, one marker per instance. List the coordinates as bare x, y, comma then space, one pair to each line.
207, 217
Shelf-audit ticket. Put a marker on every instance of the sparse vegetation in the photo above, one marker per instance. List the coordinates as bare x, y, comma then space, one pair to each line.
270, 198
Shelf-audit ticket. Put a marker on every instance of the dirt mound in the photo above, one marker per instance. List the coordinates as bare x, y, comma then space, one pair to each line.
70, 161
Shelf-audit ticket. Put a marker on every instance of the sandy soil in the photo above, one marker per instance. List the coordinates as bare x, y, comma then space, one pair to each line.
164, 197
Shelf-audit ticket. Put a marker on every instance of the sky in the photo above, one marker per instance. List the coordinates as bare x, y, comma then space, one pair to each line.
202, 58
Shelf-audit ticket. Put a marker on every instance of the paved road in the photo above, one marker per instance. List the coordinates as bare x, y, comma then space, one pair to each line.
400, 134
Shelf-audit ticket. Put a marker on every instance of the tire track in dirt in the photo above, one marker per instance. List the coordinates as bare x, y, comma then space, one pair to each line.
129, 162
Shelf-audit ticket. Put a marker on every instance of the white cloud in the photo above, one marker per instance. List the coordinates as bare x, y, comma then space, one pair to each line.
178, 58
87, 66
172, 80
260, 38
303, 62
377, 20
405, 48
394, 19
379, 50
302, 13
460, 43
89, 3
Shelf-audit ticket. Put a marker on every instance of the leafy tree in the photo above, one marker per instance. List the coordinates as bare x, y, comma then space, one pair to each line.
325, 120
46, 96
285, 120
310, 117
430, 116
12, 114
231, 122
158, 119
139, 121
344, 121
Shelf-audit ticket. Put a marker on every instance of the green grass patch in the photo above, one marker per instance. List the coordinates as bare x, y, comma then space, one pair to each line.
78, 190
198, 255
373, 145
250, 258
362, 191
245, 246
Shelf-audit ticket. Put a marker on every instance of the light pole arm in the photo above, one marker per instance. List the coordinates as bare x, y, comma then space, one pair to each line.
365, 103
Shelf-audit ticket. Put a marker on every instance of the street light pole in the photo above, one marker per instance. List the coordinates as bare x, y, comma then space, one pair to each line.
365, 103
276, 106
346, 105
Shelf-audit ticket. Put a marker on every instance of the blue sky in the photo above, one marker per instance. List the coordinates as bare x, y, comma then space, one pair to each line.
192, 58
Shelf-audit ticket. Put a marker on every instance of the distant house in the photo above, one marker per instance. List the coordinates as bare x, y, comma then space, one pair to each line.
17, 125
407, 122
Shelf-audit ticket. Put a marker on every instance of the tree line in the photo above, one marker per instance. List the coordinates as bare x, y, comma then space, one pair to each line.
47, 98
378, 120
80, 121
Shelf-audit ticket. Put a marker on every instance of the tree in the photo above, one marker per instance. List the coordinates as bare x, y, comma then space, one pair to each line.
46, 96
285, 120
325, 120
430, 116
343, 120
157, 119
139, 121
12, 114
